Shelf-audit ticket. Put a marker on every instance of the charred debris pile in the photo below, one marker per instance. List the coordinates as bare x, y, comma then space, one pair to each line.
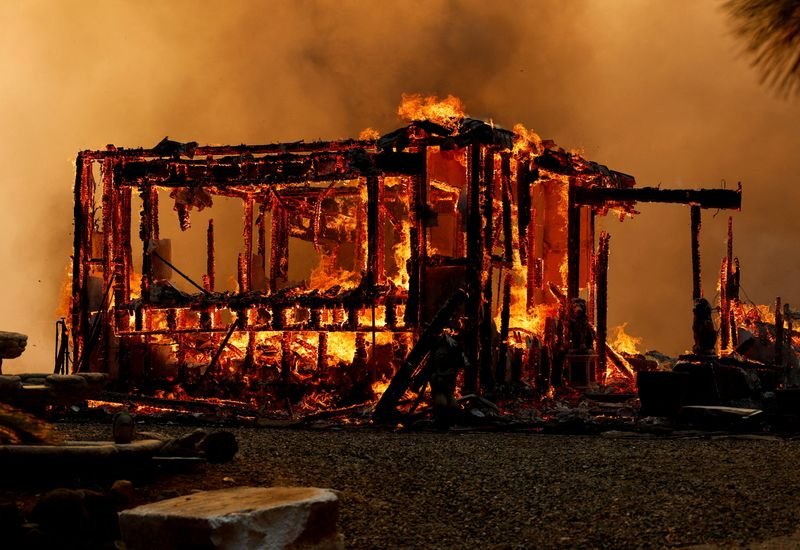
450, 266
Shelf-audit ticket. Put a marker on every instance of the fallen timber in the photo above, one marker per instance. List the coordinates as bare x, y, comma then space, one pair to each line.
210, 406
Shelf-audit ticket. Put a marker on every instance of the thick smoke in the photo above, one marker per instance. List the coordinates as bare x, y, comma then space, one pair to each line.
653, 89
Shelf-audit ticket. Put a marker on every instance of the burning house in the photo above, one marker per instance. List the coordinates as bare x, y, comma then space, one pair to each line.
355, 256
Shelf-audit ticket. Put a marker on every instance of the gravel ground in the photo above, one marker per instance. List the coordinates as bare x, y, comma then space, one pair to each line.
496, 490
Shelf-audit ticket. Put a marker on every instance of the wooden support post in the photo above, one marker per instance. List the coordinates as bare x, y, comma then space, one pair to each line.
147, 233
362, 243
210, 278
473, 269
154, 211
779, 338
505, 317
731, 285
111, 221
592, 267
246, 257
524, 209
697, 288
420, 207
573, 245
724, 307
411, 316
374, 230
126, 253
486, 324
505, 178
531, 275
787, 317
82, 214
279, 249
262, 237
602, 303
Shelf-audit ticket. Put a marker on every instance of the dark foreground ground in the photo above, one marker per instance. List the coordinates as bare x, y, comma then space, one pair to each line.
495, 490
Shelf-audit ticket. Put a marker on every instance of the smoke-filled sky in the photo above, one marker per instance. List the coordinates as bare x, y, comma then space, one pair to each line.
654, 89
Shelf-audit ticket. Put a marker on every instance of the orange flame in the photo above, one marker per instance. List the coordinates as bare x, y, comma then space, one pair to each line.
447, 111
624, 342
369, 134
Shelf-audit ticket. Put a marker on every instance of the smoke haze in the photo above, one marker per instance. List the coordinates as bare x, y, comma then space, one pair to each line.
654, 89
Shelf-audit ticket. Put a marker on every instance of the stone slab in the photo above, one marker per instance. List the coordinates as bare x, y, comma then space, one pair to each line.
238, 518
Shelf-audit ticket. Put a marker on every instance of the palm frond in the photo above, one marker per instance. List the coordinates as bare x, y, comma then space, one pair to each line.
771, 29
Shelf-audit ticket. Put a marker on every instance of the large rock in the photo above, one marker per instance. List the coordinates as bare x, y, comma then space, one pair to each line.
12, 344
242, 517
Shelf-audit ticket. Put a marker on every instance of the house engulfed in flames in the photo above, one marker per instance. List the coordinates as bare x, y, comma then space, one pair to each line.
355, 254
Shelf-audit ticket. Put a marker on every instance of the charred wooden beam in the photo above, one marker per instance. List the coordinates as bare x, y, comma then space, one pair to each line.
704, 198
239, 150
779, 336
154, 219
210, 278
524, 210
486, 324
146, 235
246, 258
374, 230
787, 316
592, 267
111, 221
212, 367
82, 213
279, 249
505, 318
125, 243
697, 288
400, 162
724, 306
620, 362
474, 267
602, 303
533, 264
573, 243
261, 249
412, 312
505, 178
420, 207
386, 407
198, 405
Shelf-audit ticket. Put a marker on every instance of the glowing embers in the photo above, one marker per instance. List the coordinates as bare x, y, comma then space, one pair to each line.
273, 371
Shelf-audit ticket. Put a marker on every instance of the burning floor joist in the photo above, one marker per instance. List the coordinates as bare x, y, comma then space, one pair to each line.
449, 254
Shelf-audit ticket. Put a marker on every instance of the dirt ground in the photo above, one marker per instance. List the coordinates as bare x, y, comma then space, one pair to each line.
504, 490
